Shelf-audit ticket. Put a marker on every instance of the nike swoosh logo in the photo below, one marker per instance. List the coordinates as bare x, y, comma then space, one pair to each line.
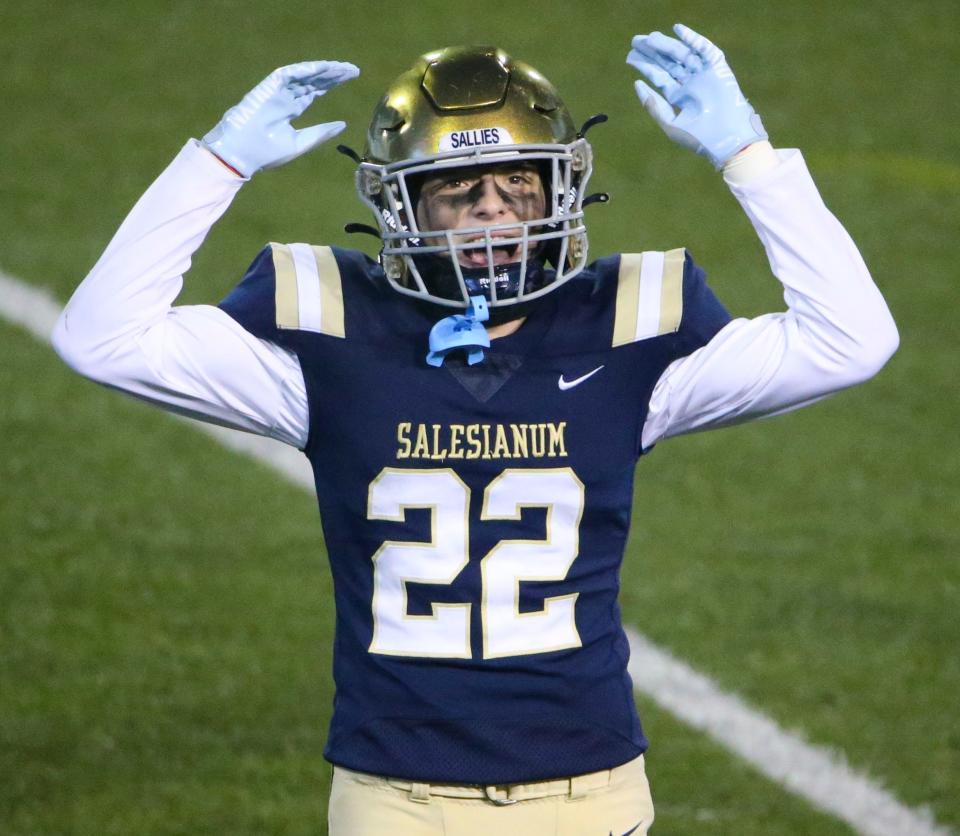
631, 830
569, 384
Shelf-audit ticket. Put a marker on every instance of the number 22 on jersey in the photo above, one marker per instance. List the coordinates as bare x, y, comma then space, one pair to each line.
506, 630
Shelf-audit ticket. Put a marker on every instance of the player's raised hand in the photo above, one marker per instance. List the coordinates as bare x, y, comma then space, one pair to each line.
712, 116
257, 134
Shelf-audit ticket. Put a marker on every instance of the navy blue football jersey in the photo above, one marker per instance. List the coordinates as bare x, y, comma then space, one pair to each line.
476, 516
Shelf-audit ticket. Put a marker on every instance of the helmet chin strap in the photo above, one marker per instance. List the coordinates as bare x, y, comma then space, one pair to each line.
440, 276
464, 331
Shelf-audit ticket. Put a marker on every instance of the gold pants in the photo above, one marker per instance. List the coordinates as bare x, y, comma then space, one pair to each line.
612, 802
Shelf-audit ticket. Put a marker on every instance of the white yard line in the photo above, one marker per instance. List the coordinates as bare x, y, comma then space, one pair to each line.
816, 773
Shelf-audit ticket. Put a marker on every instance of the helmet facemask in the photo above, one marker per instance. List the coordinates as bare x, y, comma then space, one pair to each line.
434, 264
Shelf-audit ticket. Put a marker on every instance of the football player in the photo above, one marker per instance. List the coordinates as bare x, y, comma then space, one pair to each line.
474, 403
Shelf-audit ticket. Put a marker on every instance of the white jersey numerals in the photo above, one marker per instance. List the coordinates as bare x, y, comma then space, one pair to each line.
447, 631
506, 630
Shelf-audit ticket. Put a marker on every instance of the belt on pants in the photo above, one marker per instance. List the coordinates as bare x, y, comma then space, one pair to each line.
500, 794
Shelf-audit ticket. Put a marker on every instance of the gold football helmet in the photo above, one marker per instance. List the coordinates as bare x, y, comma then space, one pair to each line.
474, 106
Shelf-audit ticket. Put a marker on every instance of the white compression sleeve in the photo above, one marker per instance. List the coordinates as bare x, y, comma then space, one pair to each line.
119, 327
835, 333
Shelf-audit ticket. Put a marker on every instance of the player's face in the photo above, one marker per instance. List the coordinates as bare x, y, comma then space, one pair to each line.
474, 196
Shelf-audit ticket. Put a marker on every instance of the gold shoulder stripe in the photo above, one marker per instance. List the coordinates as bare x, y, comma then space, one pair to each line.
331, 293
285, 296
649, 295
309, 290
671, 294
628, 296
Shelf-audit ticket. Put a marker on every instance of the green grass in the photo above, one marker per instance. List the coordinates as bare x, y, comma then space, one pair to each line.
698, 788
167, 644
165, 608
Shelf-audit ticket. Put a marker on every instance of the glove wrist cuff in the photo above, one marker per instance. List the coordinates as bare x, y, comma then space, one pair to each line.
227, 165
750, 162
215, 143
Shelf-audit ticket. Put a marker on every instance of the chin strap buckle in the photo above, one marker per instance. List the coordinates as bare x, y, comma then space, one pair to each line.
464, 331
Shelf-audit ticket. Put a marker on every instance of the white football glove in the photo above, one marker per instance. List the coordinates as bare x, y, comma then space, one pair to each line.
714, 118
257, 134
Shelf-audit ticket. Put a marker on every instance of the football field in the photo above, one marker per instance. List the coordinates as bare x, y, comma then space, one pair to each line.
165, 602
